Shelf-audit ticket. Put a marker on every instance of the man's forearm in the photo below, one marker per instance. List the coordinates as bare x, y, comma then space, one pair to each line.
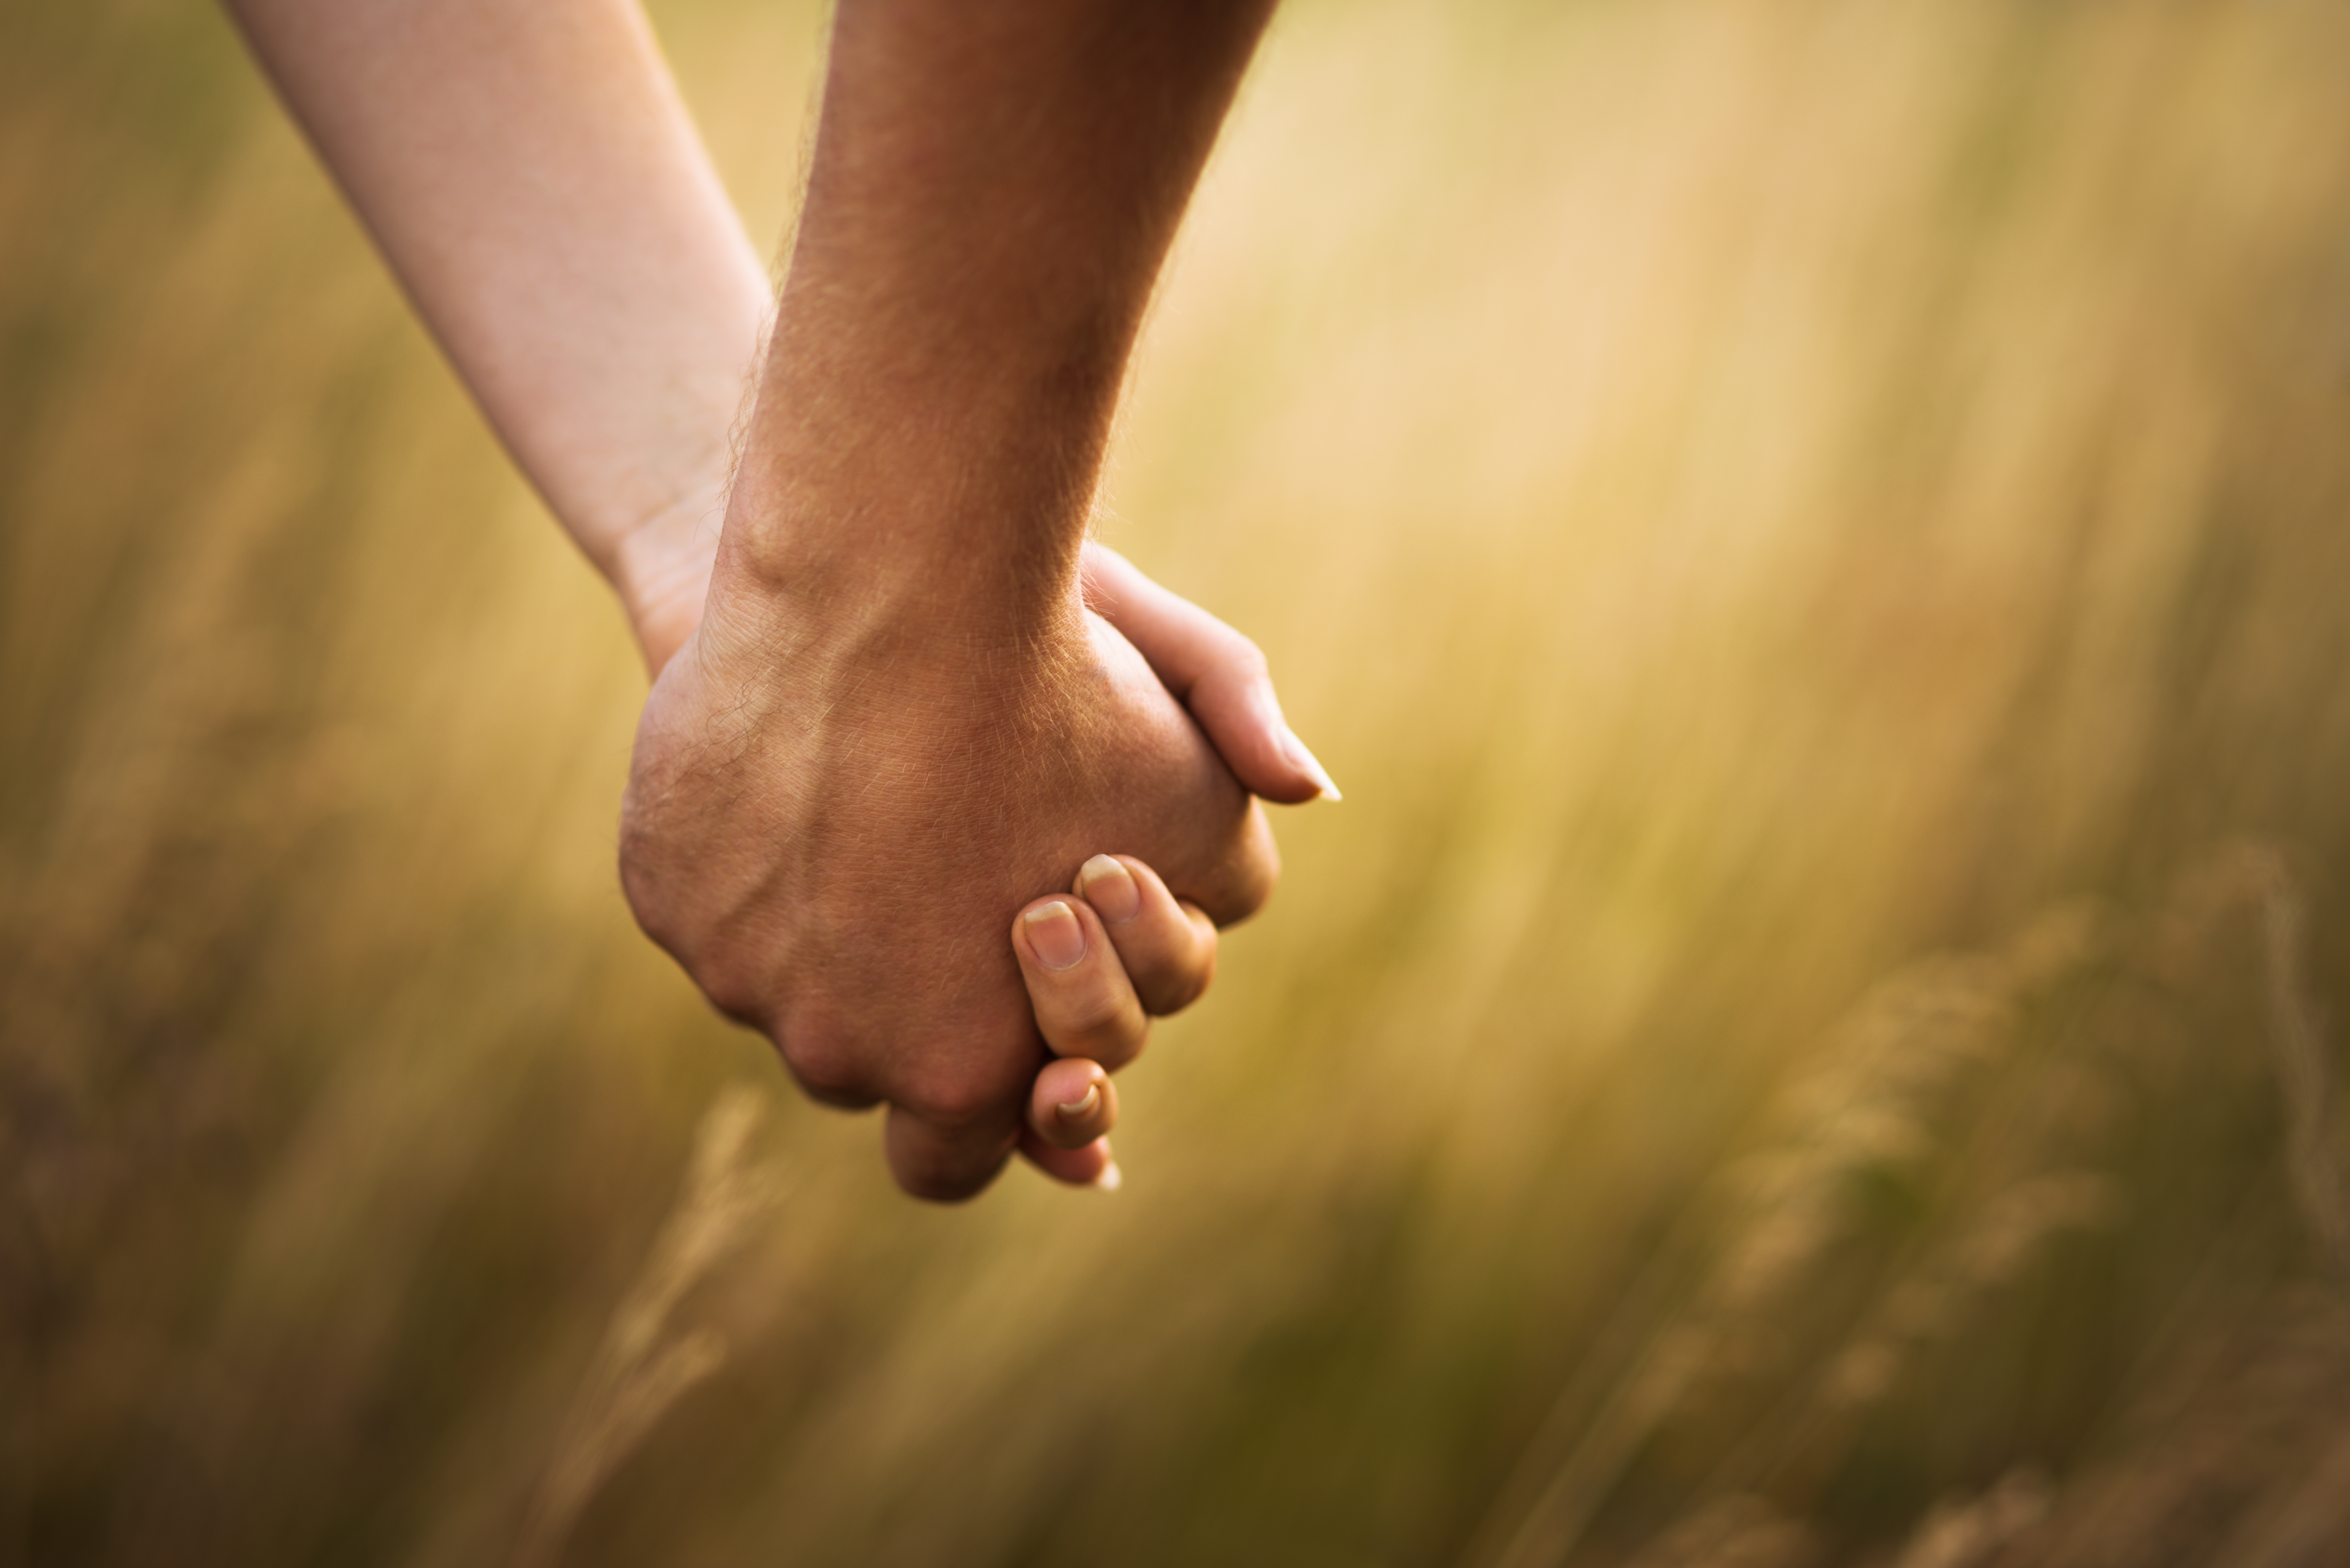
535, 182
993, 189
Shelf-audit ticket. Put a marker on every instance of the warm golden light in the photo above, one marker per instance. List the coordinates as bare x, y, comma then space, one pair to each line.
1814, 537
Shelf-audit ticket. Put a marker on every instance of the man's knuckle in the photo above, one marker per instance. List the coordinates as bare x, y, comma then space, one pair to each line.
957, 1098
734, 987
825, 1062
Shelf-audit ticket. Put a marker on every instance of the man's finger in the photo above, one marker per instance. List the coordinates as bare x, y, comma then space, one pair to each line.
1168, 948
946, 1162
1213, 670
1084, 1003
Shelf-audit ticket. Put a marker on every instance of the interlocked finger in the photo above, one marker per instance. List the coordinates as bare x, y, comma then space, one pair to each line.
1084, 1004
1073, 1102
1167, 947
1099, 966
1071, 1108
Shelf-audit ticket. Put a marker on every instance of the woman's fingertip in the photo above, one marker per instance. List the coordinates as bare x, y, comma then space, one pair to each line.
1055, 935
1106, 884
1079, 1109
1307, 763
1110, 1179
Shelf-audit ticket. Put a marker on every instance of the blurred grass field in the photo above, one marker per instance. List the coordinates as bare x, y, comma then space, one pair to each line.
1816, 538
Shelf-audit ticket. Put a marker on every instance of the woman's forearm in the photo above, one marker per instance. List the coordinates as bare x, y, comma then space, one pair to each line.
534, 181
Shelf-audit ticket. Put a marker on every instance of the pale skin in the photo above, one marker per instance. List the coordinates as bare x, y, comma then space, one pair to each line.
895, 690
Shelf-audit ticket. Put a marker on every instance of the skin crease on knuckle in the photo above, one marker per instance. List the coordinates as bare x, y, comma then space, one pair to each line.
1104, 1026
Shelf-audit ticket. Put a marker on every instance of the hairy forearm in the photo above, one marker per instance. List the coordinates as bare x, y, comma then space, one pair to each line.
532, 178
993, 190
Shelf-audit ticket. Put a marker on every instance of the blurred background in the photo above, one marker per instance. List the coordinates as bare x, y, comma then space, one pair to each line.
1816, 538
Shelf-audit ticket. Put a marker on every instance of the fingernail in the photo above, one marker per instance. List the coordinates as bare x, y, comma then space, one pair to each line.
1110, 887
1109, 1179
1055, 935
1305, 759
1079, 1110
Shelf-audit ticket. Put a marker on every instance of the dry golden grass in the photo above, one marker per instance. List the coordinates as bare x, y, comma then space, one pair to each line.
1813, 538
642, 1369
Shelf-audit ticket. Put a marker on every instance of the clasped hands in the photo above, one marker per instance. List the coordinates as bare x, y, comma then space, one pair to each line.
902, 700
841, 798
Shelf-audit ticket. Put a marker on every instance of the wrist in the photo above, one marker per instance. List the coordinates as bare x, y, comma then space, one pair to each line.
842, 625
932, 540
899, 610
660, 566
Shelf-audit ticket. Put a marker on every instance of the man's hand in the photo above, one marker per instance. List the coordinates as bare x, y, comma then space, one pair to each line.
832, 818
900, 718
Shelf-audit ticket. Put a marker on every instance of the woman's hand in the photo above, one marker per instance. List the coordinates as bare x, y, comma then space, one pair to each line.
1098, 967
